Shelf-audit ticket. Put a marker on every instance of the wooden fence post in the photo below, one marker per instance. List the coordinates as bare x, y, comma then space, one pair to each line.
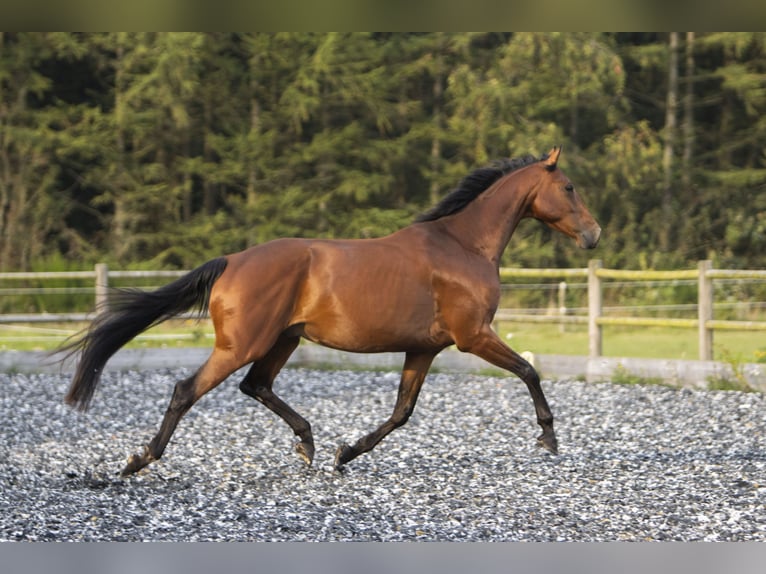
705, 310
562, 304
102, 287
594, 309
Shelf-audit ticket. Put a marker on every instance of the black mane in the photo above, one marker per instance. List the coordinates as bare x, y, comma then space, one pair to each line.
474, 184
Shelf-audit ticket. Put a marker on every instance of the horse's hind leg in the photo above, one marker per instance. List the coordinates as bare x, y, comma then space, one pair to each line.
258, 384
186, 393
413, 374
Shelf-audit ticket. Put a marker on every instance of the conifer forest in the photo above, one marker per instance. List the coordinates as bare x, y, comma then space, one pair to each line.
162, 150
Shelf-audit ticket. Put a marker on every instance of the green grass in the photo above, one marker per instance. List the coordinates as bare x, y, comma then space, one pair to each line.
645, 342
48, 336
651, 342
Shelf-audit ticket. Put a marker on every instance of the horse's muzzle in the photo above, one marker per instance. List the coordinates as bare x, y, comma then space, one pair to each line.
589, 239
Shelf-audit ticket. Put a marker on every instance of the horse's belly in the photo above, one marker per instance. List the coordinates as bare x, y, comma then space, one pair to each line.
367, 296
376, 330
369, 342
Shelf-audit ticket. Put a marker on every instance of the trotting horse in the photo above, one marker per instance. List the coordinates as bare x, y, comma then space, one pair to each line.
430, 285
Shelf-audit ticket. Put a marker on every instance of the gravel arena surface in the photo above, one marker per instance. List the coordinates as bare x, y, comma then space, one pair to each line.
637, 463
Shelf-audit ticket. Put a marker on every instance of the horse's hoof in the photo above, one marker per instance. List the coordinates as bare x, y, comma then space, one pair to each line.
305, 451
136, 462
549, 443
134, 465
344, 454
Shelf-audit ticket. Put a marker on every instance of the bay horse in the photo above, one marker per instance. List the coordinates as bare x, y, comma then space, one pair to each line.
419, 290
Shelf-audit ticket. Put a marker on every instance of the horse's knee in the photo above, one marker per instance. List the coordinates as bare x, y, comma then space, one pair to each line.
528, 374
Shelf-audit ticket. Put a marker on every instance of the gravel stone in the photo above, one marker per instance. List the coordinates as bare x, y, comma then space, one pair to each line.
637, 463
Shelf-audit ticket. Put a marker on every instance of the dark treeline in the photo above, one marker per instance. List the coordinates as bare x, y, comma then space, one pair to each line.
165, 149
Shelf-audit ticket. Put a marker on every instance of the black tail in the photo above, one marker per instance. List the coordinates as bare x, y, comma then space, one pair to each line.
131, 312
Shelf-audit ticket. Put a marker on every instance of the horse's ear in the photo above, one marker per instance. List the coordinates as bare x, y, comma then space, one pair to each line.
553, 158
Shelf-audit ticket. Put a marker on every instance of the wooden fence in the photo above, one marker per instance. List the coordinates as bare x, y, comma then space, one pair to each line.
595, 277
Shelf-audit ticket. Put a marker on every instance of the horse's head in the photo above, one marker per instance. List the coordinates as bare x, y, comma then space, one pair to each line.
557, 204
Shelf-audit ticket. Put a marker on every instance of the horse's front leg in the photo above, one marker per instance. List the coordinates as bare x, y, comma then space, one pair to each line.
487, 345
413, 374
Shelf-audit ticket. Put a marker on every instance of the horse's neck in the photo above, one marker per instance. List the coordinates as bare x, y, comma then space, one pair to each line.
486, 224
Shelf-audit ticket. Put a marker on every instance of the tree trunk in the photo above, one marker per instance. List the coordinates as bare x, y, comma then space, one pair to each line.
252, 169
209, 188
671, 107
249, 153
14, 189
436, 143
119, 221
688, 124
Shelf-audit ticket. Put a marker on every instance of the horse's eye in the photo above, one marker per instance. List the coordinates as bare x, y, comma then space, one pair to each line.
569, 187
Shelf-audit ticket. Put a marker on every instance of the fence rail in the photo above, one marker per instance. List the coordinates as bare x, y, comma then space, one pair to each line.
595, 277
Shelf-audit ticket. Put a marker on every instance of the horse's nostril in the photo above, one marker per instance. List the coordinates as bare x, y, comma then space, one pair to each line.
589, 239
596, 236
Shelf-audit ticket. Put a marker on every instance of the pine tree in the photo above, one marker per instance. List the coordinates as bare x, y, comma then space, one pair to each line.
30, 203
162, 149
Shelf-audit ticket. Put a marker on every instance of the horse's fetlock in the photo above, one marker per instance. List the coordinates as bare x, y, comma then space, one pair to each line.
304, 430
545, 422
